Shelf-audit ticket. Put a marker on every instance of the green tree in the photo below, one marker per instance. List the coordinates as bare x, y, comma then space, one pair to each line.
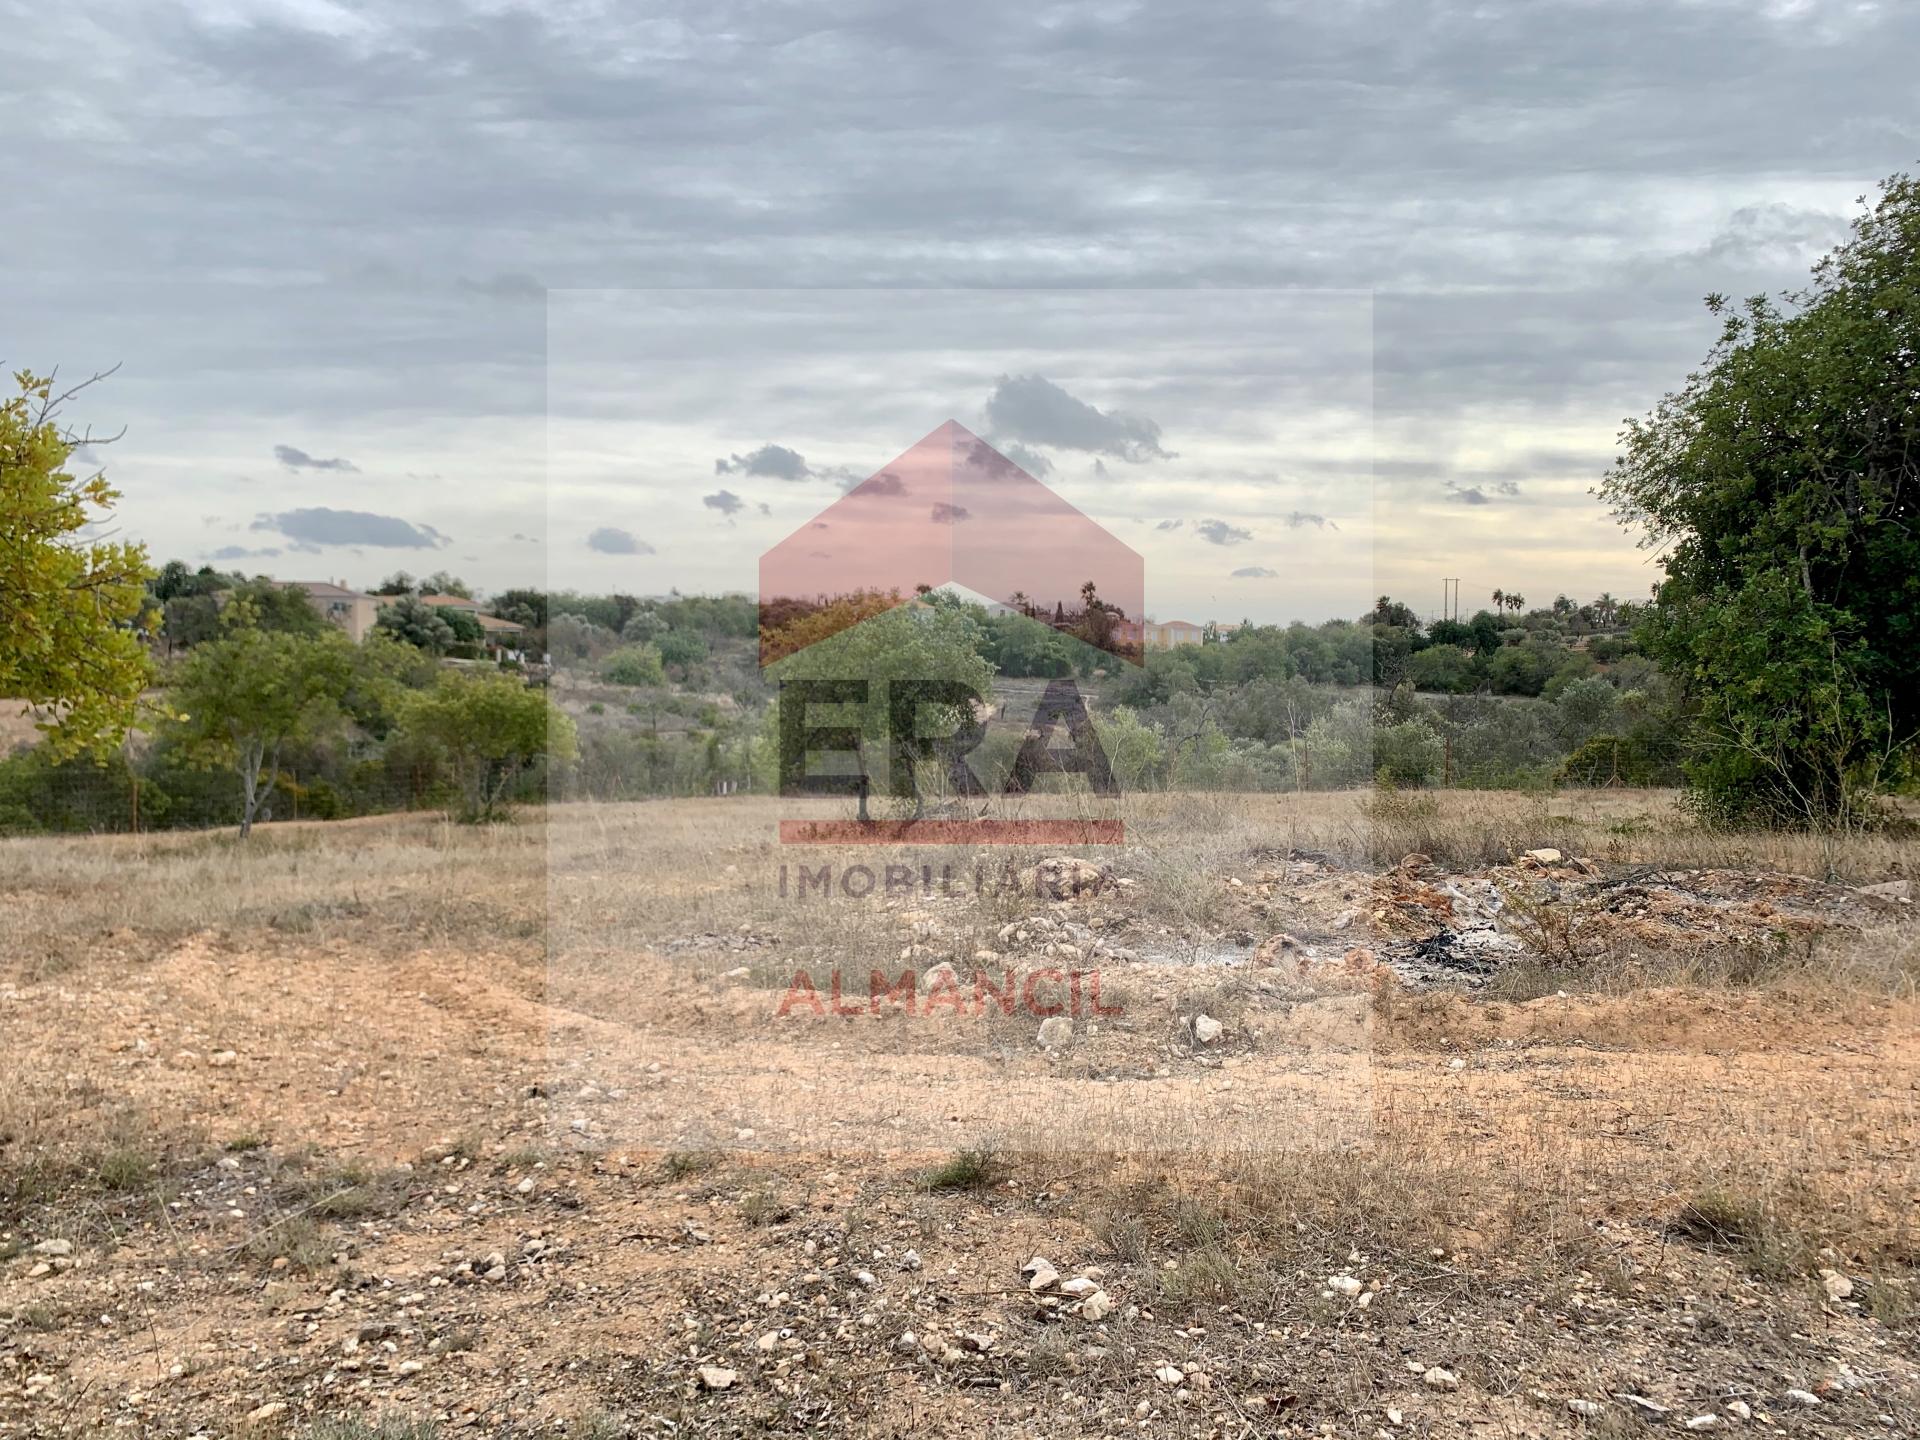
1020, 646
269, 605
523, 607
1136, 749
442, 583
69, 608
175, 579
634, 665
493, 730
682, 648
1446, 668
1586, 708
386, 670
419, 624
466, 630
189, 620
643, 625
240, 700
1781, 485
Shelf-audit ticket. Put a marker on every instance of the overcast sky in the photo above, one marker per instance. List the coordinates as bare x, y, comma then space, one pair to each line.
323, 240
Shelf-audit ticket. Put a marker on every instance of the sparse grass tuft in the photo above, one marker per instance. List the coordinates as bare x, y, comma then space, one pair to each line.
295, 1239
126, 1168
1746, 1227
350, 1191
1205, 1277
763, 1205
966, 1170
679, 1164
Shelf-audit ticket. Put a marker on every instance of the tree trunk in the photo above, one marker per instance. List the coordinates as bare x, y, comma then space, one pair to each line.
249, 787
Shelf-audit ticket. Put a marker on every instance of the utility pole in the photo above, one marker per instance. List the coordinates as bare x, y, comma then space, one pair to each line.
1450, 597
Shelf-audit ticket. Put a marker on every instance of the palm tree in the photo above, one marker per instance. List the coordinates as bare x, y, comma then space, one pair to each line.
1019, 601
1500, 600
1087, 594
1516, 603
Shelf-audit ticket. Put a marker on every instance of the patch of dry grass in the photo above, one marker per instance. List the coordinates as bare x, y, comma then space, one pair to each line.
73, 1147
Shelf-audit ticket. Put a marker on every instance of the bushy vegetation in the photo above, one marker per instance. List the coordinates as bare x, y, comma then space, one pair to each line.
1780, 483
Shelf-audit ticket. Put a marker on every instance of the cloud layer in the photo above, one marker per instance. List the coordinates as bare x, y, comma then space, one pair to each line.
348, 219
317, 526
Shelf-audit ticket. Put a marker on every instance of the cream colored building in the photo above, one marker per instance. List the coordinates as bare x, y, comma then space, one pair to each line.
1166, 634
352, 611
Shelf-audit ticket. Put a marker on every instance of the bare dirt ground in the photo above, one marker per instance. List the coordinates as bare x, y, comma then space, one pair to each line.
395, 1127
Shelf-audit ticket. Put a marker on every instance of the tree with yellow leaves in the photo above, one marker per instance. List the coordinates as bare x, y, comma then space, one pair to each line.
70, 645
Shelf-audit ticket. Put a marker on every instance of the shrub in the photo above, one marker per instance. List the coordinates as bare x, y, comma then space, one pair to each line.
634, 665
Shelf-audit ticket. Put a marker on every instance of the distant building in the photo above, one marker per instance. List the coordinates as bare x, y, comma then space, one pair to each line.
507, 633
1167, 634
352, 611
500, 634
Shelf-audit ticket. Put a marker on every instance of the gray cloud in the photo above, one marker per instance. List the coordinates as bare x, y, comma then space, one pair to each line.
1254, 572
1537, 196
1775, 234
775, 461
1027, 458
945, 514
1293, 520
1469, 495
1169, 524
295, 458
317, 525
1219, 532
240, 552
611, 540
885, 483
1034, 409
725, 501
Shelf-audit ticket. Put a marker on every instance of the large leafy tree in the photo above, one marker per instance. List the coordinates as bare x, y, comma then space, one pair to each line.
270, 605
70, 608
492, 729
465, 629
240, 700
1781, 484
443, 583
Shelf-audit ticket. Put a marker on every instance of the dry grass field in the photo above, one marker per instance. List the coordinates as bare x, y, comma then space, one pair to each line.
400, 1128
